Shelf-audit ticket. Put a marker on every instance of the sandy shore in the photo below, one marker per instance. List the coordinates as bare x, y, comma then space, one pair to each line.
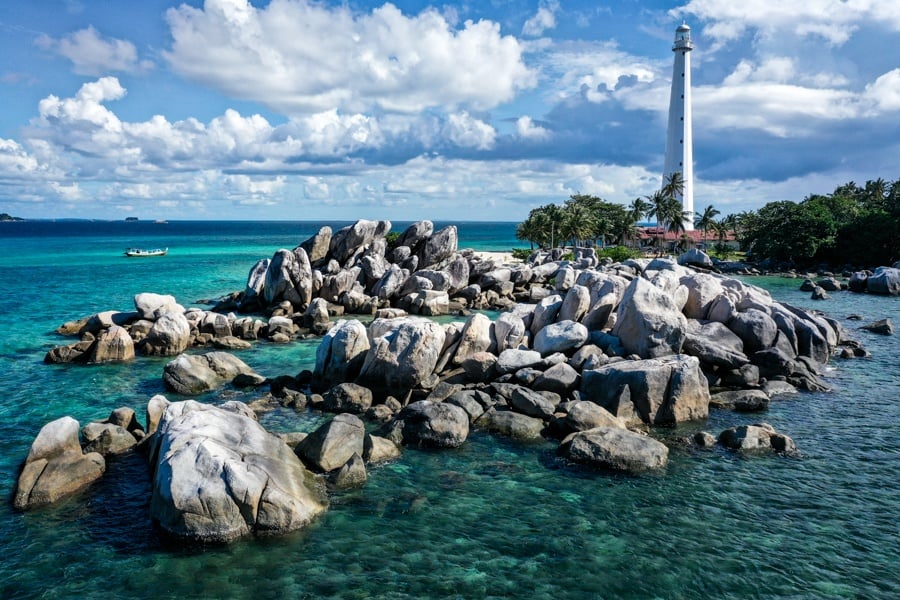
503, 257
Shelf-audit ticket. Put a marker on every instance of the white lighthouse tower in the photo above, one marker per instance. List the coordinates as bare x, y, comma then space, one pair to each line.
679, 139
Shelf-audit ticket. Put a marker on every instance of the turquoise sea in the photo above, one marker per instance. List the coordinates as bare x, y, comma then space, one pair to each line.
493, 519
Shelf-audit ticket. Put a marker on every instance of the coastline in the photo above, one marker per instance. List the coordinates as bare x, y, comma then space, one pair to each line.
410, 510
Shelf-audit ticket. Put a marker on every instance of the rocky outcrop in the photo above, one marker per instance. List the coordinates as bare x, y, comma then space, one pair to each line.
218, 476
169, 336
884, 281
56, 466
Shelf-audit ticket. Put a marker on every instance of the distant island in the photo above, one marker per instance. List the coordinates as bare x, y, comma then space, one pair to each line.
130, 219
6, 217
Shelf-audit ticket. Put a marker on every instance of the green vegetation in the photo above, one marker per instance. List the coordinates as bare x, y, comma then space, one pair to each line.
619, 253
521, 253
582, 221
852, 225
8, 217
392, 237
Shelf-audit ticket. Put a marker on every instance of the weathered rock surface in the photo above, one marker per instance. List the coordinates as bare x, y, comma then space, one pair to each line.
615, 449
512, 424
434, 424
192, 374
404, 353
341, 352
663, 390
169, 336
152, 306
330, 446
56, 466
649, 322
218, 475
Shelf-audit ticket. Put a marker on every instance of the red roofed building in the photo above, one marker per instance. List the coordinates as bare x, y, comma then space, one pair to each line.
649, 236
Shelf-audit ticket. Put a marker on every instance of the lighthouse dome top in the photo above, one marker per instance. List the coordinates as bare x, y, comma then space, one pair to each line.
683, 39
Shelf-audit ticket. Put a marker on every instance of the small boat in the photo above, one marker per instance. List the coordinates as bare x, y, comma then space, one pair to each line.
142, 252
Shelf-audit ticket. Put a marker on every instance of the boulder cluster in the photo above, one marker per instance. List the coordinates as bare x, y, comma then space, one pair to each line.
591, 353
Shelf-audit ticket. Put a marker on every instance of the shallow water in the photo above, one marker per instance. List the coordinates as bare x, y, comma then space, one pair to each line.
491, 519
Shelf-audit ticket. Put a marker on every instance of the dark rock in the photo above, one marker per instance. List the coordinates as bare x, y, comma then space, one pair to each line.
615, 449
330, 446
440, 425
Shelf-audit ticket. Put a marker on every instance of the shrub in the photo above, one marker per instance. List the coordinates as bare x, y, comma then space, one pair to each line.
619, 253
522, 253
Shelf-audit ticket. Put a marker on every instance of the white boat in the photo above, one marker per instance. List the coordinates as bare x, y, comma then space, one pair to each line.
142, 252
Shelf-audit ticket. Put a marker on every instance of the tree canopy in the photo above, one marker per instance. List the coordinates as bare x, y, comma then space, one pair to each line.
581, 220
857, 225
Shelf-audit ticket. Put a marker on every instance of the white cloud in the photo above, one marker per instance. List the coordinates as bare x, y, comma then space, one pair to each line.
835, 21
469, 132
299, 57
595, 69
884, 92
92, 54
544, 19
15, 160
527, 129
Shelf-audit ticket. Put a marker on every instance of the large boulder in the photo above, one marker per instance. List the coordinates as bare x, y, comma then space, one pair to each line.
192, 374
153, 306
349, 241
434, 424
512, 424
703, 290
508, 331
695, 258
884, 281
615, 449
714, 344
218, 475
341, 352
112, 345
475, 338
330, 446
107, 438
649, 322
316, 247
415, 234
403, 354
55, 466
662, 390
512, 360
541, 405
560, 337
576, 304
584, 415
347, 398
169, 336
439, 246
755, 328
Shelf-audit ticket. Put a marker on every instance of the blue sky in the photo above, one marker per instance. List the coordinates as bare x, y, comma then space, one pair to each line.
293, 109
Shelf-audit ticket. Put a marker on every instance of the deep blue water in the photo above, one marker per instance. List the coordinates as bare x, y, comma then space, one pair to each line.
492, 519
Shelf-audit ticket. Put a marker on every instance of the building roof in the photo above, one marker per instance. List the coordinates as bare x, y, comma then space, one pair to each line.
696, 236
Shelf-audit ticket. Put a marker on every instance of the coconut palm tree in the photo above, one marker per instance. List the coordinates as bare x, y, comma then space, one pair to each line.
673, 185
705, 221
657, 201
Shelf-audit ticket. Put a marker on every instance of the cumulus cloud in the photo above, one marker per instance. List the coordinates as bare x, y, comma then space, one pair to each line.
544, 19
834, 21
468, 132
527, 129
298, 57
595, 69
92, 54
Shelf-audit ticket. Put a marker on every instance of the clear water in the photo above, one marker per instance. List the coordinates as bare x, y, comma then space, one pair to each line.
492, 519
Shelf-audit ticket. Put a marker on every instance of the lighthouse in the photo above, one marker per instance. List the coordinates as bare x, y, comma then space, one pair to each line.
679, 142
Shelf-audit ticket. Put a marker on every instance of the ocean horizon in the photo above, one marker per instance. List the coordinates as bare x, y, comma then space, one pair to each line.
492, 519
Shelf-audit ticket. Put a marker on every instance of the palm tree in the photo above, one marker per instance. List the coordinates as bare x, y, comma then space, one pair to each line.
657, 201
706, 220
673, 185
